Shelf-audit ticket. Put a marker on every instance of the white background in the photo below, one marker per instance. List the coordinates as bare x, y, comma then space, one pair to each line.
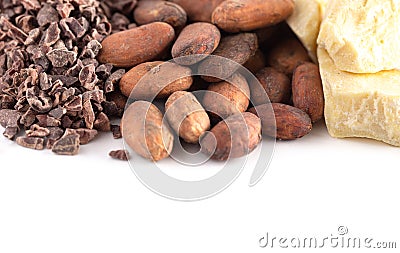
91, 203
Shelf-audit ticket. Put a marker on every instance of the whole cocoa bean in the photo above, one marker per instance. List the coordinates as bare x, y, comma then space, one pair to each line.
234, 137
198, 10
248, 15
145, 132
224, 99
155, 79
283, 121
256, 62
273, 83
287, 55
198, 38
151, 11
237, 48
307, 90
186, 116
137, 45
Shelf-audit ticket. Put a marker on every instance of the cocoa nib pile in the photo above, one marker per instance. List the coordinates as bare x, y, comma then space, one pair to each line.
53, 92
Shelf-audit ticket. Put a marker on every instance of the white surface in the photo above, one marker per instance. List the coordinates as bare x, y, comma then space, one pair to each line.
91, 203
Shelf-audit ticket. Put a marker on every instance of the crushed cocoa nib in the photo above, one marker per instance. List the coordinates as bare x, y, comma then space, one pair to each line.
47, 14
26, 23
85, 135
114, 79
77, 29
104, 71
55, 133
119, 99
61, 57
88, 77
119, 154
102, 123
88, 114
30, 142
122, 6
67, 145
92, 49
31, 5
38, 100
58, 112
51, 36
13, 31
66, 122
28, 118
64, 9
110, 109
9, 118
66, 80
47, 121
11, 132
33, 36
37, 131
74, 105
116, 131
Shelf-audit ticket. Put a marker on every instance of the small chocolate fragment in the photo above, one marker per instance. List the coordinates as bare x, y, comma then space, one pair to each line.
119, 154
67, 145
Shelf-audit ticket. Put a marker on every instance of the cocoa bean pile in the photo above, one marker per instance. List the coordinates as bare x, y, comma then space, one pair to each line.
68, 67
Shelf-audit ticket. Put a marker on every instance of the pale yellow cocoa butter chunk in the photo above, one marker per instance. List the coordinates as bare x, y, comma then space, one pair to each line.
305, 23
362, 36
361, 105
